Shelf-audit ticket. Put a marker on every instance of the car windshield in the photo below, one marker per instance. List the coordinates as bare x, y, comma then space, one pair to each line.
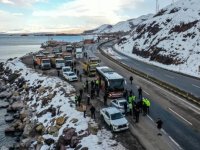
59, 61
66, 69
122, 103
46, 61
68, 58
115, 85
71, 74
116, 116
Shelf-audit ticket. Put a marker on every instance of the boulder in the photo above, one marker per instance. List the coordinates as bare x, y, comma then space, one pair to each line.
93, 128
60, 121
41, 90
5, 94
9, 118
40, 128
28, 130
74, 120
17, 105
52, 130
13, 77
78, 147
23, 114
4, 104
84, 148
49, 141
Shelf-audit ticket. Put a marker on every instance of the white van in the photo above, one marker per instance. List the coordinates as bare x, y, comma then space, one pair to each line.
79, 53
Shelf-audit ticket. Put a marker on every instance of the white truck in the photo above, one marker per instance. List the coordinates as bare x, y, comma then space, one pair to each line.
79, 53
114, 118
59, 63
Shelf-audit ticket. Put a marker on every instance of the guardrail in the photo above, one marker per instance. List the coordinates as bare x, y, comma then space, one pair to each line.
167, 86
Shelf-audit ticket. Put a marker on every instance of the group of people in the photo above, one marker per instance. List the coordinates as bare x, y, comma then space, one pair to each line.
136, 107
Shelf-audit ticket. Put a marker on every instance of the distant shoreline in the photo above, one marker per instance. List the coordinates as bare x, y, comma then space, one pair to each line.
44, 34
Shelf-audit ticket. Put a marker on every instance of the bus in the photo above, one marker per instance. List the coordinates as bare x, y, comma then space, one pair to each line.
110, 81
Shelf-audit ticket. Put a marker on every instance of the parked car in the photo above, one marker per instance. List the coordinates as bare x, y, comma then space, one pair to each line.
119, 104
70, 76
66, 69
114, 118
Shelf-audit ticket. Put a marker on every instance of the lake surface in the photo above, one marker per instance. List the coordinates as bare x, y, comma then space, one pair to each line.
17, 46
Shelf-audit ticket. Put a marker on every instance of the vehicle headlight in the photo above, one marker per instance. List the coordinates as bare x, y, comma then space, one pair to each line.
115, 126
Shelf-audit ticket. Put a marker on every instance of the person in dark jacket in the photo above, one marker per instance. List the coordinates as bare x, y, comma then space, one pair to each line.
140, 93
159, 125
92, 110
105, 97
131, 79
125, 108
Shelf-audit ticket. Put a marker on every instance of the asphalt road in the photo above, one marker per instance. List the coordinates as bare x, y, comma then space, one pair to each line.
186, 135
186, 83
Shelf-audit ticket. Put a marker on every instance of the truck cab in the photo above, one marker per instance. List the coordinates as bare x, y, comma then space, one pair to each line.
45, 64
68, 60
59, 63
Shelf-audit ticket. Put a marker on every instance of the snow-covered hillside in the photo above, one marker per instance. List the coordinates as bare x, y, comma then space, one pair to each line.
171, 37
123, 26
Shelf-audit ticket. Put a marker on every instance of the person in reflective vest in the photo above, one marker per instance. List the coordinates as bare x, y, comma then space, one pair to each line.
144, 106
130, 105
131, 99
148, 105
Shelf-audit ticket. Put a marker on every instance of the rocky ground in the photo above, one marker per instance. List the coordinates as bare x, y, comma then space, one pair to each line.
44, 115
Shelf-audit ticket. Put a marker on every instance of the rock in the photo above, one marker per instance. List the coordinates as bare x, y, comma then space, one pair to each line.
40, 128
52, 130
17, 106
93, 128
74, 141
26, 143
60, 121
49, 141
5, 94
9, 118
78, 147
23, 114
4, 104
10, 130
84, 148
41, 90
13, 77
74, 120
28, 130
40, 140
68, 133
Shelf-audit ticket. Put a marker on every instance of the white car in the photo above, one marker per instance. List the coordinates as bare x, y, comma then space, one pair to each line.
66, 69
114, 118
70, 76
119, 104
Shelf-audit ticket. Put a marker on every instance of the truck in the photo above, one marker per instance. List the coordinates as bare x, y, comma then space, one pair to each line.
42, 61
79, 53
89, 66
59, 63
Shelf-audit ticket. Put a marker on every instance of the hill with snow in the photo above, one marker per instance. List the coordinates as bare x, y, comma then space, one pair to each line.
171, 37
123, 26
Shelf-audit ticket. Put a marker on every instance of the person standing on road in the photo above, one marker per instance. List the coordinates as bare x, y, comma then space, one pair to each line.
81, 93
84, 110
58, 72
131, 79
92, 110
159, 125
105, 97
92, 84
34, 64
148, 105
137, 113
77, 72
140, 93
130, 105
88, 99
144, 106
87, 86
125, 108
79, 100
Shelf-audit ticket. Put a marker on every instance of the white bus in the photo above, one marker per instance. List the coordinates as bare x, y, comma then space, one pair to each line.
111, 82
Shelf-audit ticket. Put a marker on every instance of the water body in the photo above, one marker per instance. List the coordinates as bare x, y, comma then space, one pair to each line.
17, 46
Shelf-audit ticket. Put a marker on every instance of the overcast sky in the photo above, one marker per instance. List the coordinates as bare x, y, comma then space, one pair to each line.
70, 16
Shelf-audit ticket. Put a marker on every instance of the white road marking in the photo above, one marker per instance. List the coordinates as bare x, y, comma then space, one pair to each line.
180, 116
164, 131
189, 105
150, 118
175, 142
196, 86
146, 93
169, 76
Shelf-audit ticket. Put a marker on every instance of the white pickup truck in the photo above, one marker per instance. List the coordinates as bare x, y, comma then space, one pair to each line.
114, 118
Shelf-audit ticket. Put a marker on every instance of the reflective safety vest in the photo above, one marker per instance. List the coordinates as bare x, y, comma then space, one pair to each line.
97, 82
144, 101
131, 99
148, 103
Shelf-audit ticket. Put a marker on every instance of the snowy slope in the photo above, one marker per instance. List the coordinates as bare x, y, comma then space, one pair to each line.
123, 26
171, 37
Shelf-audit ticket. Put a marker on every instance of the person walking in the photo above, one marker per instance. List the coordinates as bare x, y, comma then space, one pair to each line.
159, 123
34, 64
80, 77
148, 105
140, 93
87, 86
144, 107
92, 110
92, 84
137, 114
84, 107
105, 99
81, 93
97, 91
125, 94
77, 72
76, 100
130, 105
131, 79
58, 72
92, 93
88, 99
79, 100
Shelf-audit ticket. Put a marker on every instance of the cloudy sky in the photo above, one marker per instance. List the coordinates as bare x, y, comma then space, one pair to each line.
69, 16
